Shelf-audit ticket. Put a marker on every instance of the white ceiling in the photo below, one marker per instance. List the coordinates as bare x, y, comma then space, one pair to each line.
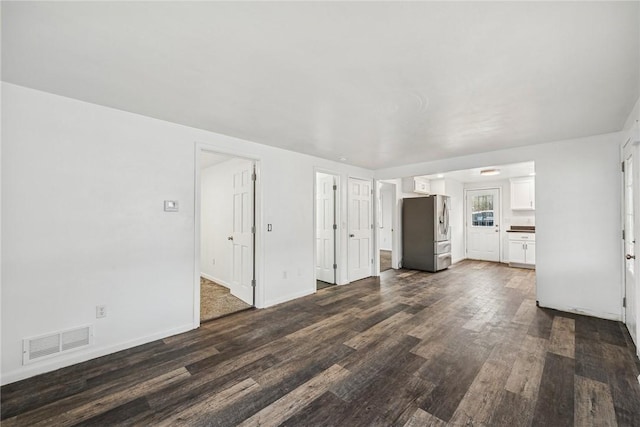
381, 84
513, 170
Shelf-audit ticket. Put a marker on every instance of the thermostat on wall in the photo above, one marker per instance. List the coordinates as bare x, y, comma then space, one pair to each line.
171, 206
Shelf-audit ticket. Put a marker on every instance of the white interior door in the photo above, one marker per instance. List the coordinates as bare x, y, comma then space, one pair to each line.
325, 227
482, 224
242, 234
630, 185
360, 229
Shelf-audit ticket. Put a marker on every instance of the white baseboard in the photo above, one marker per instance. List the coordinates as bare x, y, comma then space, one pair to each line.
287, 298
72, 359
583, 311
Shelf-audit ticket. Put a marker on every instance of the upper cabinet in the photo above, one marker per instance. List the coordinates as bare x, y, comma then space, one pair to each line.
421, 185
523, 193
416, 184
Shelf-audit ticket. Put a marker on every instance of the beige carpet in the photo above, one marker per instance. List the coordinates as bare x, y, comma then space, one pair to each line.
385, 260
217, 301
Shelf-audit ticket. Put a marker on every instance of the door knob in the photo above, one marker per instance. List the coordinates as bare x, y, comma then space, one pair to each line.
230, 238
352, 235
629, 256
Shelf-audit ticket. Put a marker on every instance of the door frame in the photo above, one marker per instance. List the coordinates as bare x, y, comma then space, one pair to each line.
258, 241
466, 222
337, 210
372, 207
635, 152
395, 241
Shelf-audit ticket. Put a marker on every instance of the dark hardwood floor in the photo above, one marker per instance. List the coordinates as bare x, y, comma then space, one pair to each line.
462, 347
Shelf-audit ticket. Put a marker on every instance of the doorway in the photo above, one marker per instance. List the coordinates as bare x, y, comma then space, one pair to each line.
326, 229
630, 181
386, 203
227, 234
483, 224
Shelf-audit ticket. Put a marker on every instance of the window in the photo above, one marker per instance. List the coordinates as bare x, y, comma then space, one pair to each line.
482, 211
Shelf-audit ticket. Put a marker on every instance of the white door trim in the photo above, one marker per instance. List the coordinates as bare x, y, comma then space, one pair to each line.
500, 224
632, 146
395, 241
200, 147
337, 208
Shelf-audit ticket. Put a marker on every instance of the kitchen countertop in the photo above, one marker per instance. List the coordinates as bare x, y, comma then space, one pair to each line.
522, 229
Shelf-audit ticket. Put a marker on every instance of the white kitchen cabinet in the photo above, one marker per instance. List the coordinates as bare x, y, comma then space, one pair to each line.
421, 186
523, 192
416, 184
522, 249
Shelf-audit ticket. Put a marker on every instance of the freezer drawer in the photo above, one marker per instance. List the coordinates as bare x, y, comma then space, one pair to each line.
442, 247
443, 261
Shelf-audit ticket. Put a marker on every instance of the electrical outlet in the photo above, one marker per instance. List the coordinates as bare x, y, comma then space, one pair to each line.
213, 261
101, 311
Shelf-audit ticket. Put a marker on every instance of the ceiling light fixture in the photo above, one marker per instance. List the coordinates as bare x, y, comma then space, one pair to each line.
440, 175
532, 174
489, 172
342, 159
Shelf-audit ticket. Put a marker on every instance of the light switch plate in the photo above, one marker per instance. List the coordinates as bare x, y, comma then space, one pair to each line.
171, 206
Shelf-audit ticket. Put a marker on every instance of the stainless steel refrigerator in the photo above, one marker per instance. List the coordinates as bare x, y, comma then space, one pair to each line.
426, 233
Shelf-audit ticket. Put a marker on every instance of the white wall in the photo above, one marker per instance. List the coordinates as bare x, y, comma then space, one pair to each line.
577, 218
216, 221
83, 223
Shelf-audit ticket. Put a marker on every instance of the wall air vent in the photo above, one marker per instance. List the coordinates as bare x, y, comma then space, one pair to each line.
56, 343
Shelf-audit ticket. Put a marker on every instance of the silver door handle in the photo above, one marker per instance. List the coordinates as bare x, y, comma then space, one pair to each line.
629, 256
230, 238
352, 235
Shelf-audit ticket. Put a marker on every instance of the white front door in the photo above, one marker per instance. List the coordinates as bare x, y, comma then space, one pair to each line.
325, 227
482, 224
630, 186
242, 234
360, 229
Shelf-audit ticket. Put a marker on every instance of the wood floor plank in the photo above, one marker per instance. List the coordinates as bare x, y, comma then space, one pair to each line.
365, 366
512, 410
555, 402
526, 312
453, 373
76, 414
593, 404
394, 324
179, 397
320, 412
291, 403
478, 403
422, 418
541, 324
526, 373
201, 410
625, 389
562, 341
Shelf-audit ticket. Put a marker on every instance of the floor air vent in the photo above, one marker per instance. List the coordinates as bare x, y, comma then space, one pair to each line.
46, 346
